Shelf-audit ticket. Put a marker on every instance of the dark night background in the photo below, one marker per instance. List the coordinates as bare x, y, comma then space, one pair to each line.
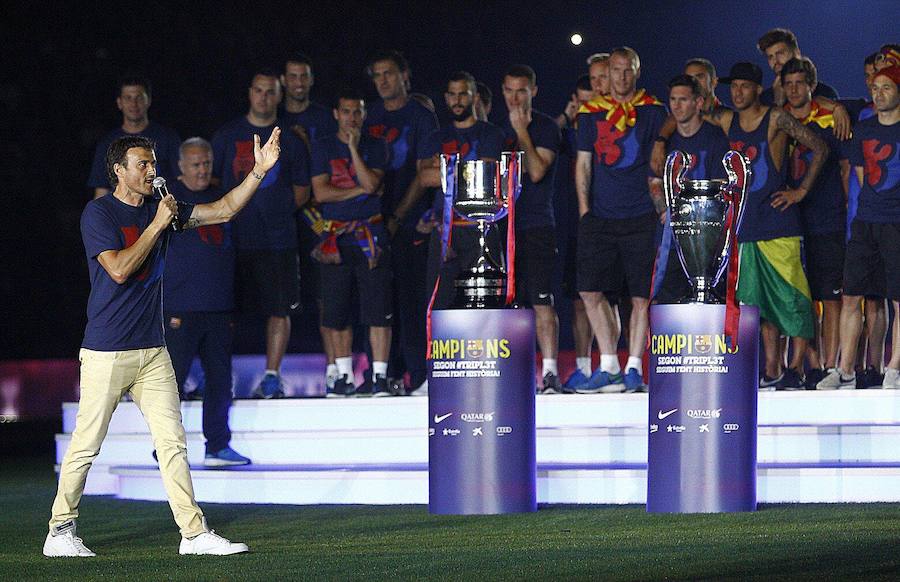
60, 66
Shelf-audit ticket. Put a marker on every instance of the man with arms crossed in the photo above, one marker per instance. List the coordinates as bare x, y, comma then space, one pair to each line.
125, 237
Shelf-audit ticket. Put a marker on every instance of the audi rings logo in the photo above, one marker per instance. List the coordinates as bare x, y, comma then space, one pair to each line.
504, 430
731, 427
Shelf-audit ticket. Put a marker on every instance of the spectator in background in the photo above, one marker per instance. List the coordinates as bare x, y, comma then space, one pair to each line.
355, 255
198, 287
266, 231
598, 70
133, 100
403, 123
483, 101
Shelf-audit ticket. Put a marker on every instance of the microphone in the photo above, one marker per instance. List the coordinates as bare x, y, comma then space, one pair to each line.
159, 186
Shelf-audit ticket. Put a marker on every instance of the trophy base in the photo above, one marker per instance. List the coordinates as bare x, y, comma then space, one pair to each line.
480, 293
708, 298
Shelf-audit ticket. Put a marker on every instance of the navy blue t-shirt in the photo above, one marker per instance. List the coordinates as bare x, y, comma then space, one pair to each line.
126, 316
167, 144
267, 222
761, 221
876, 148
767, 97
823, 210
621, 161
482, 140
707, 147
535, 204
317, 120
403, 130
332, 156
200, 263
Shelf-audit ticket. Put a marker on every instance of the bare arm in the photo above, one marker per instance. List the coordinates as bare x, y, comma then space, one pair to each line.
325, 191
301, 195
537, 160
658, 154
369, 179
121, 264
843, 128
721, 117
785, 122
225, 208
583, 181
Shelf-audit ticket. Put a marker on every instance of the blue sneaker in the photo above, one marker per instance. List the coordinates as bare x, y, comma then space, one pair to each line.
225, 458
342, 388
576, 379
634, 382
602, 382
269, 387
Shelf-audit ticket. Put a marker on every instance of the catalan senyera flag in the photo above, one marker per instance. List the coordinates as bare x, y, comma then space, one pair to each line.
818, 114
772, 278
620, 114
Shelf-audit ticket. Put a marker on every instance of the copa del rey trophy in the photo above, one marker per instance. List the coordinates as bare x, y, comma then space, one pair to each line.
483, 192
705, 216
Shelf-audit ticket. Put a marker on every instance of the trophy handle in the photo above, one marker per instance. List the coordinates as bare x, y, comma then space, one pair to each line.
737, 166
446, 160
677, 165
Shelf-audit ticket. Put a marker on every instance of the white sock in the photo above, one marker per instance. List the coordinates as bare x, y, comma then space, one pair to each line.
331, 374
273, 372
379, 369
584, 364
636, 363
549, 367
345, 367
610, 363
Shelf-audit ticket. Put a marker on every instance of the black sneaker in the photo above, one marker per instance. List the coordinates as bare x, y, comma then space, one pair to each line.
813, 377
550, 385
790, 380
868, 378
382, 388
343, 387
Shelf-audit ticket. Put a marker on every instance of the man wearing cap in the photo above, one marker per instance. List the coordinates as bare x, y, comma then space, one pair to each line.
771, 274
873, 252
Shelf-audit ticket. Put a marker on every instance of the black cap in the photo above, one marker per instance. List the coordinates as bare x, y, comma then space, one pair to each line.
743, 72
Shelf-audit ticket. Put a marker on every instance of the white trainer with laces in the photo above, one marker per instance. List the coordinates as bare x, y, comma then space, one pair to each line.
210, 543
891, 379
63, 543
835, 380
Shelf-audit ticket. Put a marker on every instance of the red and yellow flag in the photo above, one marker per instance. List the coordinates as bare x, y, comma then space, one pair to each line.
619, 114
819, 115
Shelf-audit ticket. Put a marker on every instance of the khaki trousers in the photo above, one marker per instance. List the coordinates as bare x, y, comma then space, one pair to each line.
105, 378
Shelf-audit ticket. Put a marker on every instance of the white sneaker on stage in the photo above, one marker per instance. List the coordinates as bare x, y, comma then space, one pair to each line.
891, 379
63, 543
211, 544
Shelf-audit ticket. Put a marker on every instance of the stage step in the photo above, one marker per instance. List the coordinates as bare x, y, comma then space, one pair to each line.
379, 484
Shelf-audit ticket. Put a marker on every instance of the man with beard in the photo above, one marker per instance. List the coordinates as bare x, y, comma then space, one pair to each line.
822, 211
771, 272
403, 123
133, 100
779, 45
619, 216
873, 252
536, 134
471, 139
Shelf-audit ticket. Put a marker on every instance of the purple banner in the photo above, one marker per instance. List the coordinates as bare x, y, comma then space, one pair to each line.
703, 395
481, 443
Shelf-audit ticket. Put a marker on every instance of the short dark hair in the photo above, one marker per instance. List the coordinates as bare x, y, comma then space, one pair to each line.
298, 57
118, 150
870, 60
348, 93
775, 36
705, 63
522, 71
801, 65
583, 83
394, 56
134, 80
265, 71
484, 93
463, 76
686, 81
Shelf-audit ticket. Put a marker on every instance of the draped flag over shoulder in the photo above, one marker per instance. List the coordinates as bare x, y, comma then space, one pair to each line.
620, 114
818, 114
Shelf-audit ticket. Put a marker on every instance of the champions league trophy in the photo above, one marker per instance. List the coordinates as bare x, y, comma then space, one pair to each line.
705, 216
484, 192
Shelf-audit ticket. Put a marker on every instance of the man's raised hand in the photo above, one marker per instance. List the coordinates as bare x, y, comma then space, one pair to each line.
267, 155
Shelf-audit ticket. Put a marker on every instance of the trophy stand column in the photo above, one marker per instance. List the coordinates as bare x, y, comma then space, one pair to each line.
703, 406
481, 412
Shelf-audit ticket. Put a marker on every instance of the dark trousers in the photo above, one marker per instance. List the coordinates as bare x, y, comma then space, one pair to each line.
410, 257
208, 335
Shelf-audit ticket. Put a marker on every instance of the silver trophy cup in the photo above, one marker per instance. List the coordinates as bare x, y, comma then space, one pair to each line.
482, 194
699, 211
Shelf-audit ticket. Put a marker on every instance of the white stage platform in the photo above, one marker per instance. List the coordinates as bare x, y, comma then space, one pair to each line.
812, 447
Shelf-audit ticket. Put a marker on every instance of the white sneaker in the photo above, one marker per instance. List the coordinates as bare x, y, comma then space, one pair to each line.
891, 379
422, 390
63, 543
835, 380
211, 544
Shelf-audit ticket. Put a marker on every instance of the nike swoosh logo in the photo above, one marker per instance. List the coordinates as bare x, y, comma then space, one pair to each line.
442, 418
661, 415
